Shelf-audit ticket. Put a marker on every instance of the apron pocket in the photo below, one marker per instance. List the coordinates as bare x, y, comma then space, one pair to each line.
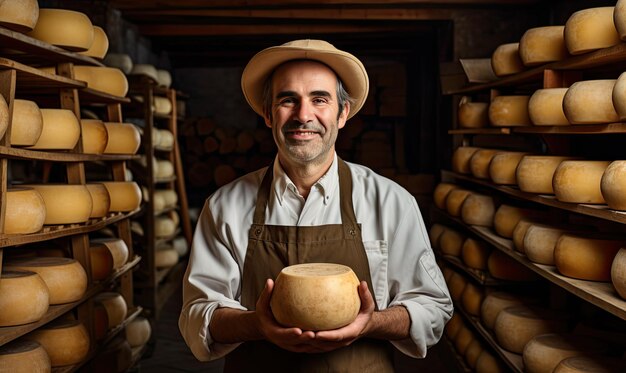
377, 256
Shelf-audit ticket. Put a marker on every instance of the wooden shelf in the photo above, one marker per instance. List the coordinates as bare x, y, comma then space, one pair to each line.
32, 79
482, 277
587, 129
481, 131
60, 156
91, 96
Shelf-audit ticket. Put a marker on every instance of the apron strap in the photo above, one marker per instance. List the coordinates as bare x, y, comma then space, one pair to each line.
262, 195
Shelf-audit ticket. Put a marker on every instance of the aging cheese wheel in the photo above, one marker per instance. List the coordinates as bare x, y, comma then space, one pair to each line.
109, 80
164, 78
463, 339
487, 363
509, 111
472, 298
541, 45
619, 18
123, 138
590, 102
120, 61
100, 200
475, 253
170, 197
25, 211
19, 15
435, 231
26, 123
618, 273
473, 114
520, 232
590, 364
162, 105
101, 262
503, 166
545, 107
165, 258
138, 332
60, 130
590, 29
461, 159
100, 44
455, 200
65, 203
441, 193
158, 202
316, 296
472, 352
479, 163
544, 352
515, 326
181, 246
145, 69
618, 96
117, 247
478, 209
164, 226
451, 242
507, 217
115, 306
540, 241
4, 115
535, 172
504, 267
94, 136
66, 341
586, 258
23, 356
613, 185
65, 278
24, 298
64, 28
496, 302
125, 195
579, 181
164, 169
506, 60
456, 285
453, 326
166, 139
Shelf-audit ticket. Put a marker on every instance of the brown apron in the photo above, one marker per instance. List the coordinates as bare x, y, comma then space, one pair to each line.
270, 249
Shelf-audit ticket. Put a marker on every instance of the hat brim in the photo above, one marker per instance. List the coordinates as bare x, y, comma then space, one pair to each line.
349, 69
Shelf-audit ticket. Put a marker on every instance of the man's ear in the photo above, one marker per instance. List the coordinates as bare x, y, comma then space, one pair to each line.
344, 115
268, 120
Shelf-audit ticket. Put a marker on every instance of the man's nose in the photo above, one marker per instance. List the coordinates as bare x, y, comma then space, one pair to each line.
303, 112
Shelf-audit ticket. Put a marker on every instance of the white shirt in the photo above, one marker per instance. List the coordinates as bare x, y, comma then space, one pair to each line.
402, 265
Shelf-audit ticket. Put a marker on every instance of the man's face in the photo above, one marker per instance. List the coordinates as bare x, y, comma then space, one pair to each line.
305, 110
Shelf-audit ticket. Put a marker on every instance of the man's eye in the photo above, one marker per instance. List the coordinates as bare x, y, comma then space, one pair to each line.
287, 101
319, 100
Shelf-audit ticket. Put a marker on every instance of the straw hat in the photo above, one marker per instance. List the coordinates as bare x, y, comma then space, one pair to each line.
349, 69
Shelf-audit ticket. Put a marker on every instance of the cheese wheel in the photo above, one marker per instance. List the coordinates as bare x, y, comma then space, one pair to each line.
24, 297
100, 44
117, 247
180, 246
66, 341
315, 296
541, 45
472, 352
590, 102
138, 331
125, 195
453, 326
19, 15
504, 267
23, 356
165, 258
472, 298
145, 69
164, 169
473, 114
162, 105
100, 200
60, 130
158, 201
478, 209
65, 278
535, 172
519, 232
579, 181
619, 18
461, 159
487, 363
479, 163
65, 203
455, 200
539, 243
545, 107
164, 78
507, 217
509, 111
612, 185
4, 115
456, 285
170, 197
166, 139
503, 166
115, 306
497, 301
101, 262
586, 258
64, 28
164, 226
451, 242
25, 211
463, 339
618, 96
506, 60
515, 326
120, 61
544, 352
26, 123
174, 216
441, 193
618, 273
109, 80
590, 364
475, 253
94, 136
590, 29
123, 138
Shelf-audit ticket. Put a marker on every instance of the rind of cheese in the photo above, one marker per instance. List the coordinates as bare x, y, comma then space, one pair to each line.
451, 242
453, 326
541, 45
545, 107
544, 352
165, 258
19, 15
164, 78
472, 298
4, 116
496, 302
164, 169
456, 285
100, 44
109, 80
618, 96
455, 200
590, 29
579, 181
590, 364
26, 123
24, 298
66, 341
618, 273
509, 111
539, 243
25, 211
24, 356
478, 209
94, 136
535, 172
475, 253
506, 60
590, 102
60, 130
487, 363
472, 352
117, 247
586, 258
480, 161
125, 195
520, 232
503, 166
435, 231
507, 217
612, 185
145, 69
441, 193
463, 339
100, 200
473, 114
101, 262
138, 332
162, 105
64, 28
115, 306
461, 159
123, 138
65, 203
120, 61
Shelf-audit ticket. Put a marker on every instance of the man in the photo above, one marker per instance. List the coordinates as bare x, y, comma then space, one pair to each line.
310, 206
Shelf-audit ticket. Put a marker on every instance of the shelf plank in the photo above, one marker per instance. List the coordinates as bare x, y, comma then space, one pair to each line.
30, 78
481, 131
588, 129
482, 277
60, 156
92, 96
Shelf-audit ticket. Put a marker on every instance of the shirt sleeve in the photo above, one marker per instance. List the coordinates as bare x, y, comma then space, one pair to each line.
416, 283
211, 281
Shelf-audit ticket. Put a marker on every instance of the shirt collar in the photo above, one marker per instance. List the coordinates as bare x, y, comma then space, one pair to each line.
326, 185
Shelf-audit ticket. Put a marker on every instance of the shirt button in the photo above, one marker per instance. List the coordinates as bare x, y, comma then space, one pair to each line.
257, 231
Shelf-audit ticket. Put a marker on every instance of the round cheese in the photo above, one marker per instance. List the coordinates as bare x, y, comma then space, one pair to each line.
453, 326
65, 203
162, 105
478, 209
123, 138
590, 364
25, 211
170, 197
23, 356
506, 60
496, 302
544, 352
473, 114
117, 247
441, 193
316, 296
109, 80
100, 44
66, 341
479, 163
451, 242
503, 166
541, 45
456, 285
612, 185
509, 111
475, 253
472, 298
100, 200
94, 136
181, 246
515, 326
590, 102
545, 107
158, 202
520, 232
165, 258
164, 226
120, 61
461, 159
60, 130
145, 69
539, 243
164, 169
24, 298
455, 200
26, 123
138, 332
101, 262
174, 216
618, 273
506, 218
504, 267
164, 78
472, 352
534, 173
19, 15
619, 18
4, 115
618, 96
463, 339
586, 258
166, 139
65, 278
579, 181
436, 230
115, 306
590, 29
64, 28
125, 195
487, 363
